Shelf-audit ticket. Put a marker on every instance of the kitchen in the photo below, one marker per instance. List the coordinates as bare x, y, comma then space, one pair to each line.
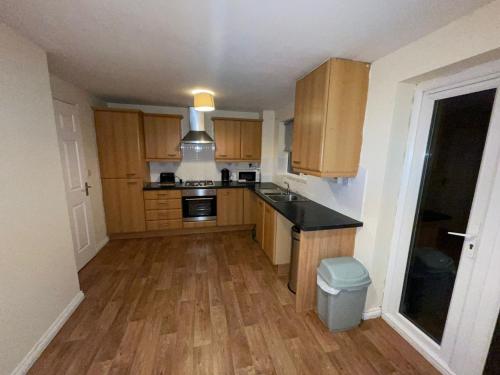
239, 200
229, 198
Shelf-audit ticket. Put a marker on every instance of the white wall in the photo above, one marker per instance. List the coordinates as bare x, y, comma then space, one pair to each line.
201, 164
38, 276
468, 40
69, 93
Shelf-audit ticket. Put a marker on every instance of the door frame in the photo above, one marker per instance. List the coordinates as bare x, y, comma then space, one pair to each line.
445, 356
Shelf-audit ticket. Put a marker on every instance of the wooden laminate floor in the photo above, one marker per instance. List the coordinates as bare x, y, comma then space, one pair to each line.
207, 304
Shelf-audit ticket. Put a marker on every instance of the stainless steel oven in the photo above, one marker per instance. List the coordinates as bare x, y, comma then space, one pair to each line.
199, 204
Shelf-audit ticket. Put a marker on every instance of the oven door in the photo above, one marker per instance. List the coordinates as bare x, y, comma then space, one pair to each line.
199, 208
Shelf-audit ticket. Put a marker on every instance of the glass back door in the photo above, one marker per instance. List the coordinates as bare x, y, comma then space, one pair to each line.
454, 152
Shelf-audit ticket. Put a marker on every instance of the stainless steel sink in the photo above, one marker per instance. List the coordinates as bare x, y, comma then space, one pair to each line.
285, 198
271, 191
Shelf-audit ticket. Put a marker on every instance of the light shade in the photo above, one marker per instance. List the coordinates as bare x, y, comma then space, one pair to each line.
204, 101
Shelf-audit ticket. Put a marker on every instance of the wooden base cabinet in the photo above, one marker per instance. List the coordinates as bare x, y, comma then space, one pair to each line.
276, 235
229, 207
163, 209
269, 231
259, 222
123, 205
315, 246
249, 207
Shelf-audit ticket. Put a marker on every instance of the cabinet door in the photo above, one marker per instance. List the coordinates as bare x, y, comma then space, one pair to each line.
312, 116
162, 137
227, 140
249, 207
316, 92
259, 227
251, 140
120, 144
269, 231
124, 205
229, 207
346, 113
298, 125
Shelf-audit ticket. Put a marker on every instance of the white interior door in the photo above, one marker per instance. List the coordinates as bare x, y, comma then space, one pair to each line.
75, 180
467, 282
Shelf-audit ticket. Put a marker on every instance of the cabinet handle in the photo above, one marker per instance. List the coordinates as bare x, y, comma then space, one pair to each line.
296, 161
132, 182
131, 174
222, 155
172, 154
248, 155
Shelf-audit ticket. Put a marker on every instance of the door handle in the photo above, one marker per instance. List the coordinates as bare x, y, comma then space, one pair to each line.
467, 236
87, 187
470, 248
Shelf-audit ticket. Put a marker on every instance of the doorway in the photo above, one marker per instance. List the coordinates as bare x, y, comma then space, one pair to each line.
444, 233
75, 181
459, 127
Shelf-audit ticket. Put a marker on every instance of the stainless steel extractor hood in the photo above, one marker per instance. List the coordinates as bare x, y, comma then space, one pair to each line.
196, 133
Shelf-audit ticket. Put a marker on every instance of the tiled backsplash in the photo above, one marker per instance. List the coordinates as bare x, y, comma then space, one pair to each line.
195, 165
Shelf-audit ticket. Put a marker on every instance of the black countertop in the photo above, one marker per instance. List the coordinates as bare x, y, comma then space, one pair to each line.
307, 215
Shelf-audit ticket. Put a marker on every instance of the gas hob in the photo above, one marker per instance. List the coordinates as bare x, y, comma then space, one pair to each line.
199, 183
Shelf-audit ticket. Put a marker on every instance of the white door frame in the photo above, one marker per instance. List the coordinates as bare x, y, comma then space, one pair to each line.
449, 356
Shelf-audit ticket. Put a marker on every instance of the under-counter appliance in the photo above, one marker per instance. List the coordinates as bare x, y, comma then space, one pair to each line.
225, 175
294, 260
199, 204
167, 178
251, 175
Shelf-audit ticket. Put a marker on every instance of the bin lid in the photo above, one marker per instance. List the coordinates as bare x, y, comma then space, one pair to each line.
344, 273
434, 261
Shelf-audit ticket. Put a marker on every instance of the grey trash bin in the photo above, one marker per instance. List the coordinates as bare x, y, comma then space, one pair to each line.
342, 285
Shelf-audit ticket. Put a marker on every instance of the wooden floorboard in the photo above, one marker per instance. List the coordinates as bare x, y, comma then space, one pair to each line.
208, 304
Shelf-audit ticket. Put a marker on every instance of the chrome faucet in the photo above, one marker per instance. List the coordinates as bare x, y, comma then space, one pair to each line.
287, 187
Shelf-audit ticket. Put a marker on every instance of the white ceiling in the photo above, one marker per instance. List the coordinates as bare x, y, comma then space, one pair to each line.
248, 52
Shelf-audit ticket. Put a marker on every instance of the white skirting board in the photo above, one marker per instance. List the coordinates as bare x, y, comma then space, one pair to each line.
35, 352
373, 313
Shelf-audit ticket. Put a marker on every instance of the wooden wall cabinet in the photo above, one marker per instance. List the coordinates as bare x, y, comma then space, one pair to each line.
120, 143
251, 140
227, 140
229, 207
162, 135
329, 114
123, 204
237, 139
